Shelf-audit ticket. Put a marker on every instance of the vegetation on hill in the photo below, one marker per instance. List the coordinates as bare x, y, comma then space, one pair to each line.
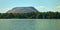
32, 15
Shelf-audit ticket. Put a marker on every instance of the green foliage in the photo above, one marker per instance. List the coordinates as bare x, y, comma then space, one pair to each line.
32, 15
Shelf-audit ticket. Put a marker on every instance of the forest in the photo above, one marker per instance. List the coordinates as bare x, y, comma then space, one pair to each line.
32, 15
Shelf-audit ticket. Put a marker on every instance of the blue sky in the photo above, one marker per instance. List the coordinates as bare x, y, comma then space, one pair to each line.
41, 5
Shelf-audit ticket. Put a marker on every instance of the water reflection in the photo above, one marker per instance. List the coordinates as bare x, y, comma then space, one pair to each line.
29, 24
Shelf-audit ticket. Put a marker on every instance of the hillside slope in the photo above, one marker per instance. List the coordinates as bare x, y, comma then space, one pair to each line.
22, 10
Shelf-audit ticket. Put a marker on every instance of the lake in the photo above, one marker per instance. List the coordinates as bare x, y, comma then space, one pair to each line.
29, 24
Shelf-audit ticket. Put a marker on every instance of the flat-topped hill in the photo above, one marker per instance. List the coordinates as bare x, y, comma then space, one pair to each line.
22, 10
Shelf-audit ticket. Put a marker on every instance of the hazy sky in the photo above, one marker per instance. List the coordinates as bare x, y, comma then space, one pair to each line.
41, 5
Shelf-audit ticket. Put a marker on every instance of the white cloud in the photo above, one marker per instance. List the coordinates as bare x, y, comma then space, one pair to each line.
44, 8
57, 7
3, 9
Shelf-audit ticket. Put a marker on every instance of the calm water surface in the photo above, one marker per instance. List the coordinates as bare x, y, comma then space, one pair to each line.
29, 24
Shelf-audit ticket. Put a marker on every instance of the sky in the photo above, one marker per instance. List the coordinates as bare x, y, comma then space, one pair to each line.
40, 5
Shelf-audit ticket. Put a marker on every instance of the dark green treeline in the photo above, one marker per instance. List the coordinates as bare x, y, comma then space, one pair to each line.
32, 15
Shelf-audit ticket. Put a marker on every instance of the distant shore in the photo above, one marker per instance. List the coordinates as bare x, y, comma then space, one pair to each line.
32, 15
